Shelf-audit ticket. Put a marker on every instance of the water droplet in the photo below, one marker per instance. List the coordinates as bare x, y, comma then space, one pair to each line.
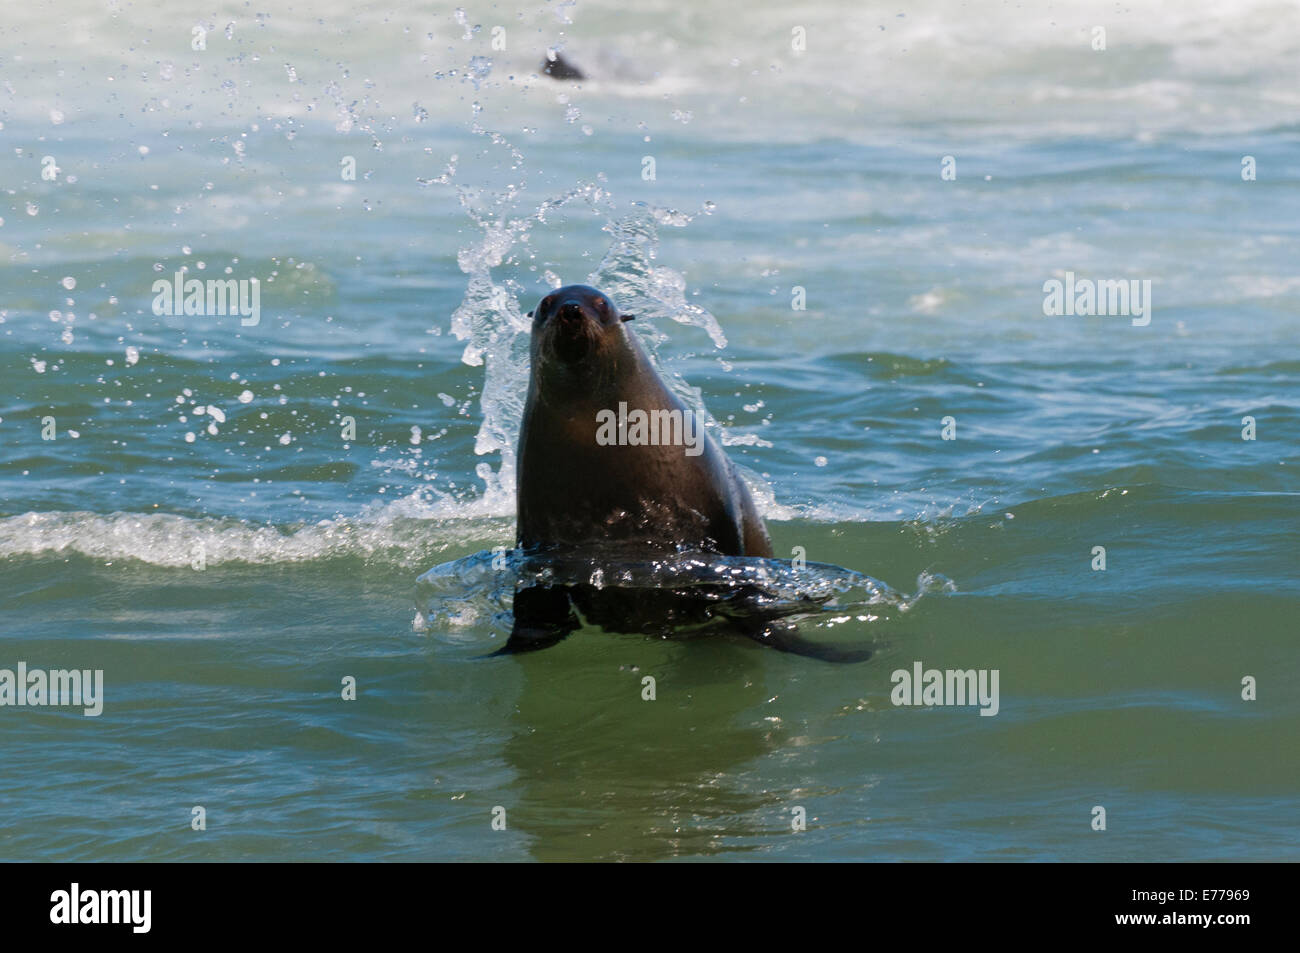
479, 68
460, 18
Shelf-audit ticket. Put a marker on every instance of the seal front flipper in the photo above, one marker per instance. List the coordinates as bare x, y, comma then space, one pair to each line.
783, 635
544, 615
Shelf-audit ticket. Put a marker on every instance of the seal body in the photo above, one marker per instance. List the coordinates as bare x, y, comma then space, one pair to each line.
611, 462
585, 477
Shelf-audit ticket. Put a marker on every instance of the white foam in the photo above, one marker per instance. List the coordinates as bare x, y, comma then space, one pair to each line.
1167, 63
405, 532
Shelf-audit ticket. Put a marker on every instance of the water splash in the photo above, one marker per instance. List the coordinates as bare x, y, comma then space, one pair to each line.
491, 320
469, 599
629, 272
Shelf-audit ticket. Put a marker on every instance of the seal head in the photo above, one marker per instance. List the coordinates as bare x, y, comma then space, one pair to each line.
557, 67
571, 330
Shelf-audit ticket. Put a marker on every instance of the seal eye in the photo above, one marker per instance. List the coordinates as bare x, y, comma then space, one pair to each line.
605, 310
539, 314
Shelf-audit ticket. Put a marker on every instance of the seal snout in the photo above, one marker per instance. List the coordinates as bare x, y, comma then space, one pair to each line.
570, 330
570, 313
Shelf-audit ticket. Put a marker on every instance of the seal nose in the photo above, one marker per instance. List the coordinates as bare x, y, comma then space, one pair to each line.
569, 312
571, 332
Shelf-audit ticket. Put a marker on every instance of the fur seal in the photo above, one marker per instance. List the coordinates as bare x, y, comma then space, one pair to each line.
610, 460
557, 67
586, 477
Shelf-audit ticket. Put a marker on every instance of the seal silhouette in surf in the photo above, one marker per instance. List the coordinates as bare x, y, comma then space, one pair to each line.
611, 462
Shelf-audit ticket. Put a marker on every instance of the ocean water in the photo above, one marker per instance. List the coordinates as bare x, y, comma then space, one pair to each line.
230, 518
